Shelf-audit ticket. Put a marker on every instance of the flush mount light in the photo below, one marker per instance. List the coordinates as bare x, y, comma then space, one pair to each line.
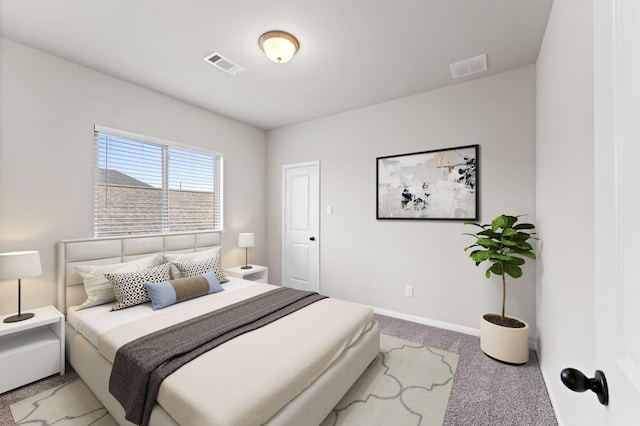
279, 46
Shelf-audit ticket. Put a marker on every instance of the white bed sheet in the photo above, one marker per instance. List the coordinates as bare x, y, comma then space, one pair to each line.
98, 320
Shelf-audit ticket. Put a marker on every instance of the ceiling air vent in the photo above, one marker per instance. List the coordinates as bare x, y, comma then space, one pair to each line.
226, 65
469, 66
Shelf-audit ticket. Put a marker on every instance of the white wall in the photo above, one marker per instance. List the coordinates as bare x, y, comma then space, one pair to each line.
565, 205
48, 107
371, 261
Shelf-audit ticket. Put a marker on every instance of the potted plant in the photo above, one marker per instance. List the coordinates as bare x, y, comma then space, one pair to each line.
504, 244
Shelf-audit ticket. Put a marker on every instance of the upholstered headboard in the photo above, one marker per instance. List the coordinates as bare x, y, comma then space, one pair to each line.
107, 250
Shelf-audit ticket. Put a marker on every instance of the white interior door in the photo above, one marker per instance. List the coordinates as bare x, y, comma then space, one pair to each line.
300, 251
617, 201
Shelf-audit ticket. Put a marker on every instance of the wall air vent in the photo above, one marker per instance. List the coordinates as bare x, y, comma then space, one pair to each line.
469, 66
226, 65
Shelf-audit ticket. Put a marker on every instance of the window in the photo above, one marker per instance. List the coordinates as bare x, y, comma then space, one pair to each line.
145, 185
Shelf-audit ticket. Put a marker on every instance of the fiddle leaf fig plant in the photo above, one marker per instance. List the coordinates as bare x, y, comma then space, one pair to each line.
504, 244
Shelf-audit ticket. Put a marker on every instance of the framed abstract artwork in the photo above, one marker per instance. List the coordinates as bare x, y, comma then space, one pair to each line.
440, 184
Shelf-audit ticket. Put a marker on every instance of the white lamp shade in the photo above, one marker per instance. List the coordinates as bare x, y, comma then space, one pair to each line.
246, 239
19, 264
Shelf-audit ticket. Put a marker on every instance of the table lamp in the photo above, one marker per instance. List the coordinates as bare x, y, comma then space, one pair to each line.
18, 265
246, 239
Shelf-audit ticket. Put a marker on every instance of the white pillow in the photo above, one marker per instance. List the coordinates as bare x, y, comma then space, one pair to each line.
98, 288
192, 257
191, 269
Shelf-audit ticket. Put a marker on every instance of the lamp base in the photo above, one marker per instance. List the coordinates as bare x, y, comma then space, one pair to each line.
246, 267
19, 317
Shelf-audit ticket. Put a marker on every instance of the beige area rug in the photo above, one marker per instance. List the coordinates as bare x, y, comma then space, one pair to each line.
71, 404
407, 384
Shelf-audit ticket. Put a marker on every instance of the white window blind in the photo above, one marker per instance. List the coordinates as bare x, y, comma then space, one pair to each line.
146, 185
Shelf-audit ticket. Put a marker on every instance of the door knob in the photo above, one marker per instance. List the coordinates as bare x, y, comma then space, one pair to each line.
312, 239
578, 382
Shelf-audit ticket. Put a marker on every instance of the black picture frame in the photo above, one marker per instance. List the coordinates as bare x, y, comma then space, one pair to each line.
440, 184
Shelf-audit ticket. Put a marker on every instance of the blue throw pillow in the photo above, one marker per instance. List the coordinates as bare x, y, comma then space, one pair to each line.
167, 293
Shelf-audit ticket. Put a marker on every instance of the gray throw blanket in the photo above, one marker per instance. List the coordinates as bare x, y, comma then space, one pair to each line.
140, 366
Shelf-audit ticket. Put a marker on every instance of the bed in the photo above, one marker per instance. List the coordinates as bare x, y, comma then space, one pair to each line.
292, 371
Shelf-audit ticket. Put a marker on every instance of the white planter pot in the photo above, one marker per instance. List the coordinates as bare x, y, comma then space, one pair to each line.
510, 345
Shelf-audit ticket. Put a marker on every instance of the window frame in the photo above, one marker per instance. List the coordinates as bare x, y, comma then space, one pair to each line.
165, 145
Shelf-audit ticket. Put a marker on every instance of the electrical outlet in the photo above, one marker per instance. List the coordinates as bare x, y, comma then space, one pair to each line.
408, 291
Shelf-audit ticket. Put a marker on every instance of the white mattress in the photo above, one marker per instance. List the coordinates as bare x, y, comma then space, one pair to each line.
98, 320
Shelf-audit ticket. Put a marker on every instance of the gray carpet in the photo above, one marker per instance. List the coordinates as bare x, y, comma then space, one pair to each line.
485, 392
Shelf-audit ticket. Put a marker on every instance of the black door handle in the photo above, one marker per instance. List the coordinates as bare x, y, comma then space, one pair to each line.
578, 382
312, 239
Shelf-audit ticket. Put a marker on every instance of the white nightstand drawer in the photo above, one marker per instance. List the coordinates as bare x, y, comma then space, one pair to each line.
28, 356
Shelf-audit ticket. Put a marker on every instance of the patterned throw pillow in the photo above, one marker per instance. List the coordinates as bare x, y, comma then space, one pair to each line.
192, 257
129, 289
191, 269
222, 278
98, 288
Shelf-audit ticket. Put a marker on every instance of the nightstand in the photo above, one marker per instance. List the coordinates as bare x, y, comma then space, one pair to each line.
31, 349
256, 273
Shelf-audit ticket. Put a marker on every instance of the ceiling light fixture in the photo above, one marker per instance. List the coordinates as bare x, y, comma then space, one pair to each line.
279, 46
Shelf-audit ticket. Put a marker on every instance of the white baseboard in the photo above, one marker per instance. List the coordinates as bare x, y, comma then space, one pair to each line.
427, 321
435, 323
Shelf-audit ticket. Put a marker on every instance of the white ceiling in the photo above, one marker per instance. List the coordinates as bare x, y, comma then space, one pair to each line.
353, 53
